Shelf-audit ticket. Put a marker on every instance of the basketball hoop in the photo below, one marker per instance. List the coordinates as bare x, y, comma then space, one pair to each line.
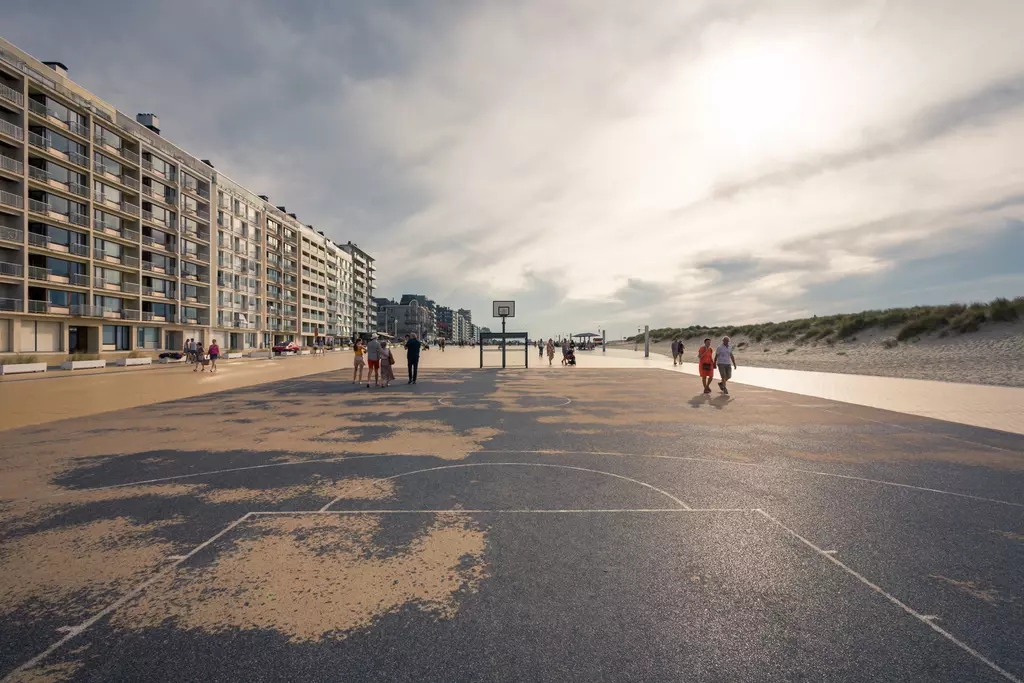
503, 310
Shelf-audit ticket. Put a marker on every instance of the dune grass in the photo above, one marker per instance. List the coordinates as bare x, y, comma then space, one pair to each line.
913, 323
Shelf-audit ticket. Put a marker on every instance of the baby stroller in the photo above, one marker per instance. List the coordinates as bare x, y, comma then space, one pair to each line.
570, 358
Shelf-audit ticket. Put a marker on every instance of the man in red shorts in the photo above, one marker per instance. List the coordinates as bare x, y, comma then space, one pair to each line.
706, 364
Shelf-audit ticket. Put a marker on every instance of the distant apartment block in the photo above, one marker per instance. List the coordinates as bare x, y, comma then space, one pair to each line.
114, 239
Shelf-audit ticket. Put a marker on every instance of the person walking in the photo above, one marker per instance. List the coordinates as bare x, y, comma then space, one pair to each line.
675, 352
412, 356
550, 347
185, 350
387, 363
214, 352
359, 363
706, 364
373, 358
565, 350
440, 342
198, 355
540, 348
726, 362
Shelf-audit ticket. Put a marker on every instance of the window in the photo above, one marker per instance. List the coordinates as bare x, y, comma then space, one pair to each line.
148, 337
108, 165
108, 138
117, 336
165, 287
159, 165
41, 336
57, 204
108, 303
103, 219
64, 299
106, 192
108, 248
108, 275
159, 310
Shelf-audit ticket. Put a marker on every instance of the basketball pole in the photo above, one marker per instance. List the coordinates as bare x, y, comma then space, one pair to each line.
502, 342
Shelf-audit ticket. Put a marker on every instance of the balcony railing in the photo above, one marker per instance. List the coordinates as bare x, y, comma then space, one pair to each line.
11, 269
128, 154
13, 130
150, 291
130, 182
14, 305
37, 273
12, 165
12, 95
11, 199
196, 277
150, 266
38, 306
79, 279
11, 234
129, 208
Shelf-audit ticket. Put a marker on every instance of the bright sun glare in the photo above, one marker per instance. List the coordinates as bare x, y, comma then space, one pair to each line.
756, 99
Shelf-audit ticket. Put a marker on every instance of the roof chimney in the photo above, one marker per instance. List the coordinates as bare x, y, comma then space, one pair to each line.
149, 121
207, 162
59, 67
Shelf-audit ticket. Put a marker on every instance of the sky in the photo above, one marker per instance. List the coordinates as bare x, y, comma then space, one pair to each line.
606, 164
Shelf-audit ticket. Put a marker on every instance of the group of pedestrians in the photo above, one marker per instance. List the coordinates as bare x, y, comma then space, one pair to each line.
380, 359
708, 359
199, 357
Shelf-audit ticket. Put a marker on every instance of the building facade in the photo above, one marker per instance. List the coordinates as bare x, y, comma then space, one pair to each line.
364, 275
113, 239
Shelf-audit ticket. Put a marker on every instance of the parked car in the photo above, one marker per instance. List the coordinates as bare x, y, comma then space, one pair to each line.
290, 347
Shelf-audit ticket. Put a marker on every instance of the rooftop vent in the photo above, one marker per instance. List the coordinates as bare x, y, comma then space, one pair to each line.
294, 216
208, 162
281, 208
264, 197
59, 67
149, 121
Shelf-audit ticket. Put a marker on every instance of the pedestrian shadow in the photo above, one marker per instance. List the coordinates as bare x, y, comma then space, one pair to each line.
720, 401
699, 400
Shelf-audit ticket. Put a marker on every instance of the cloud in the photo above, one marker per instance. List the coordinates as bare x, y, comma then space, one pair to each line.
621, 163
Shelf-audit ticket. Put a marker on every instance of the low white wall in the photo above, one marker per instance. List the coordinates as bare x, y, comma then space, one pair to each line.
83, 364
125, 362
17, 369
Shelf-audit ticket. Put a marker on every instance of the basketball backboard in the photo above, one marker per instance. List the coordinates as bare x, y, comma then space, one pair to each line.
504, 309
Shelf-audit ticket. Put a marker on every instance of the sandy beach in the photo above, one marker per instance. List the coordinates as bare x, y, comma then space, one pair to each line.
994, 355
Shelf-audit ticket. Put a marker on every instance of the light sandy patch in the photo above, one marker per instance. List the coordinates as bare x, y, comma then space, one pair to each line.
583, 431
974, 588
359, 488
52, 673
54, 565
1009, 535
311, 577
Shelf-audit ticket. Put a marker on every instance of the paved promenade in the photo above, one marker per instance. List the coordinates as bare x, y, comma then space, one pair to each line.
574, 524
68, 394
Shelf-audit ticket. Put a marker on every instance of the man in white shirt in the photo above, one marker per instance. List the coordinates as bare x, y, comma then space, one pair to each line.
725, 362
373, 358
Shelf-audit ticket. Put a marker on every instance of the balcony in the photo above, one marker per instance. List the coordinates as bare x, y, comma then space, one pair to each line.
101, 312
196, 277
11, 269
157, 194
11, 199
36, 273
193, 320
150, 242
158, 293
11, 234
12, 95
149, 316
9, 164
129, 182
12, 130
167, 221
129, 208
203, 214
128, 155
151, 267
114, 230
44, 176
201, 299
46, 307
199, 257
47, 242
15, 305
196, 190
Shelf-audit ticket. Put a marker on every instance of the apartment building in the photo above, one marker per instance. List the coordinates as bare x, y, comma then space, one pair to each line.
364, 276
114, 239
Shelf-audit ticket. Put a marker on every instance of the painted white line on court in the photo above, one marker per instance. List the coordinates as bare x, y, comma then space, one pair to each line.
73, 631
441, 400
526, 464
683, 458
454, 511
763, 466
894, 600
